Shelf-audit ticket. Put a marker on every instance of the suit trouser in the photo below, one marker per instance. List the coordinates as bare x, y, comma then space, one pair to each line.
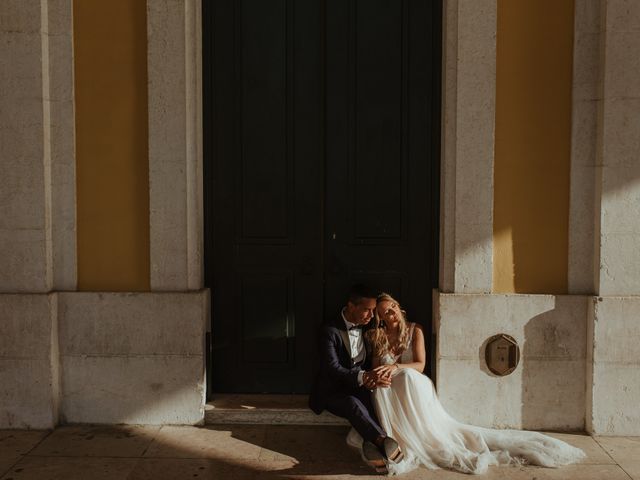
356, 407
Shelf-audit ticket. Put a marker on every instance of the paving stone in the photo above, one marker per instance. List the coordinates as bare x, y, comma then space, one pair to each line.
625, 451
254, 468
621, 448
236, 442
65, 468
204, 468
19, 442
256, 452
173, 469
16, 443
97, 441
308, 444
631, 467
7, 462
595, 453
569, 472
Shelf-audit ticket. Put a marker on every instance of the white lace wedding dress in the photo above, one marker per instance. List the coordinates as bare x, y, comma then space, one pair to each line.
410, 412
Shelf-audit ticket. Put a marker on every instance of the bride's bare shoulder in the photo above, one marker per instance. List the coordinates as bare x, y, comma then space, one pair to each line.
415, 326
417, 332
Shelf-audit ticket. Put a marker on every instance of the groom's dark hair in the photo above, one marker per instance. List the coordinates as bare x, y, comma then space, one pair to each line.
359, 292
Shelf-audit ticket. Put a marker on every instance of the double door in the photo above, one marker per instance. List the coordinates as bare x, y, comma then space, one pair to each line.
320, 159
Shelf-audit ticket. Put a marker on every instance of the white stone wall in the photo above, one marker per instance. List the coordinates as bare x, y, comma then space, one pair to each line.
62, 144
547, 389
37, 167
580, 352
37, 204
468, 126
618, 175
175, 144
613, 392
614, 389
76, 357
29, 379
587, 101
132, 357
25, 242
138, 358
118, 358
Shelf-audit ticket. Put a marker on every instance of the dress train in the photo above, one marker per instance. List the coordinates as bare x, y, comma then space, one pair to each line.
410, 412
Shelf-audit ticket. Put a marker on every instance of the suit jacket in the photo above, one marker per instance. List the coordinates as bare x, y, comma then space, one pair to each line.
335, 370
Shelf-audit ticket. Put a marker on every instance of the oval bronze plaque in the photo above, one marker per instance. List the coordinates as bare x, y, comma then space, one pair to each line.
502, 354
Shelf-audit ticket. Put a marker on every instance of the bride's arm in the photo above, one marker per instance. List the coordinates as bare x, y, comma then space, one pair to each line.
419, 353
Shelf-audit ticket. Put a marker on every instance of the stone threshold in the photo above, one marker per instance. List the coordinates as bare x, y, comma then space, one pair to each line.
265, 409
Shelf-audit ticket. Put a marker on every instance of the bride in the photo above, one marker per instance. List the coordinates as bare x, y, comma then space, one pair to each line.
410, 411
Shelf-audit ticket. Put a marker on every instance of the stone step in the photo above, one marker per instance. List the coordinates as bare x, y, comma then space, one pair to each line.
265, 409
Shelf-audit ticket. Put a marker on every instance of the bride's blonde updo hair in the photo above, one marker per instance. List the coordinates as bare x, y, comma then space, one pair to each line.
377, 336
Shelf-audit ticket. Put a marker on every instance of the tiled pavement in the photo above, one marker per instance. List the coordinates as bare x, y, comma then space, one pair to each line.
253, 451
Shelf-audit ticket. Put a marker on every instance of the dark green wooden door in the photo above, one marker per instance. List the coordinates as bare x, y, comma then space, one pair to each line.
320, 153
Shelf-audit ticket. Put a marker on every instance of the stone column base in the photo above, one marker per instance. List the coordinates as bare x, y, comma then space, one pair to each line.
613, 366
547, 389
97, 357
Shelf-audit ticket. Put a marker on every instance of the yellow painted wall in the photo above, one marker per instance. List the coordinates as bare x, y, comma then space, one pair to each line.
533, 145
110, 43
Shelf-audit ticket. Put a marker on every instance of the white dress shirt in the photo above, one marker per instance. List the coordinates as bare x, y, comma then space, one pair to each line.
356, 344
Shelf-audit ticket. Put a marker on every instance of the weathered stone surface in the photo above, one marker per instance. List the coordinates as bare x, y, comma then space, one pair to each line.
37, 172
75, 468
546, 390
125, 358
23, 249
161, 389
544, 325
587, 100
468, 145
132, 357
28, 361
62, 140
132, 323
614, 387
617, 177
94, 441
175, 144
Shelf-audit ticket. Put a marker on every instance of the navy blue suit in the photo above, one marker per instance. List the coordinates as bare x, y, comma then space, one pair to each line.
335, 387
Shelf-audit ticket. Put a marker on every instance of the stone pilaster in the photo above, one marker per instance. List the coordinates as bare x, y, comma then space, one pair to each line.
175, 144
468, 126
613, 388
37, 204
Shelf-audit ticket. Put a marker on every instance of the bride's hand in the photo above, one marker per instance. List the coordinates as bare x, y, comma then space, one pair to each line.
373, 379
386, 370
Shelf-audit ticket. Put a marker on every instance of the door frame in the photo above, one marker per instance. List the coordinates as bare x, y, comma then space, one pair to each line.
208, 178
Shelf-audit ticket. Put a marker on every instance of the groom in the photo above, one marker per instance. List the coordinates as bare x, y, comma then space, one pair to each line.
343, 381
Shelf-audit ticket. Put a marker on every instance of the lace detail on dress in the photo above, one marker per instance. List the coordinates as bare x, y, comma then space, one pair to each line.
404, 357
407, 355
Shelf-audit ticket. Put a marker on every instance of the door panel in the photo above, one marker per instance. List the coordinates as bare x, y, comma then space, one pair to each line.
378, 202
265, 118
319, 160
266, 320
266, 192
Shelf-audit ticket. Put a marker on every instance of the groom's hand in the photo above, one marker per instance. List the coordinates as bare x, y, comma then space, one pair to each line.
374, 379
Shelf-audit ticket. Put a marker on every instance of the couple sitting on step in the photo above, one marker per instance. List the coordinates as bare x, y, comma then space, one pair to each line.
369, 371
